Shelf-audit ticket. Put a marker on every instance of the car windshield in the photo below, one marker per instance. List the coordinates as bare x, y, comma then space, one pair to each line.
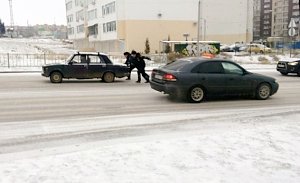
69, 58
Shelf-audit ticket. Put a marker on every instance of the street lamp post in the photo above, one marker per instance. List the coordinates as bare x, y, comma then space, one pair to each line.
204, 29
198, 34
186, 35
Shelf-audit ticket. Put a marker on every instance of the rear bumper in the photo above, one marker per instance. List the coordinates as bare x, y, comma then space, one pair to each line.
167, 88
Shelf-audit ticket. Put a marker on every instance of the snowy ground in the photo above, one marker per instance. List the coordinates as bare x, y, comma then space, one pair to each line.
215, 146
201, 146
22, 46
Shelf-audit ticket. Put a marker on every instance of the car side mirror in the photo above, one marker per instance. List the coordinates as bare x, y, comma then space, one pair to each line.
245, 73
70, 63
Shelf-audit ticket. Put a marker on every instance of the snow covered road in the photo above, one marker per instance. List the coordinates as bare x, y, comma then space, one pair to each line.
86, 131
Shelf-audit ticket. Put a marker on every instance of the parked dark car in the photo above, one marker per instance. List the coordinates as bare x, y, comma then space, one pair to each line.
289, 65
197, 78
85, 65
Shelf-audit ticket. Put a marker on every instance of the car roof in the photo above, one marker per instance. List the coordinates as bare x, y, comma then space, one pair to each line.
203, 59
89, 53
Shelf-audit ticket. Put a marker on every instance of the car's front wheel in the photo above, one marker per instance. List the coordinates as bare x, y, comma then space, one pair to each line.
56, 77
263, 91
196, 94
108, 77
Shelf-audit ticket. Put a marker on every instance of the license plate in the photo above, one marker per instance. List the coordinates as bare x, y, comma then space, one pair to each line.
280, 66
158, 77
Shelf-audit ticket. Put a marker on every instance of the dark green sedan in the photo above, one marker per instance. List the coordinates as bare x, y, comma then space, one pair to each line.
85, 65
195, 79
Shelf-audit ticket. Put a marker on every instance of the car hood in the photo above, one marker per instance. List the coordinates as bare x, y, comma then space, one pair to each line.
290, 60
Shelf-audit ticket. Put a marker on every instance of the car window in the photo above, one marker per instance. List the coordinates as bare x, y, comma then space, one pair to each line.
209, 67
105, 59
76, 59
177, 65
83, 59
230, 68
94, 59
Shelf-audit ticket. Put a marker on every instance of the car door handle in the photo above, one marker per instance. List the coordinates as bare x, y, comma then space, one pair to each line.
231, 79
203, 79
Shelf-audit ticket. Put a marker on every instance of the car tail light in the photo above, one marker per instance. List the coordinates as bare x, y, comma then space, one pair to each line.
169, 77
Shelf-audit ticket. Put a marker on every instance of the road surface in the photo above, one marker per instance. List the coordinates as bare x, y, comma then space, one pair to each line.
35, 113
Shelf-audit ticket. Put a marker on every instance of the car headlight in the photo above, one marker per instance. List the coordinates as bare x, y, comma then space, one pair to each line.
293, 63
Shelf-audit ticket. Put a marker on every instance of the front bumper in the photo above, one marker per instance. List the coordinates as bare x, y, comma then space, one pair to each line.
285, 68
275, 87
45, 75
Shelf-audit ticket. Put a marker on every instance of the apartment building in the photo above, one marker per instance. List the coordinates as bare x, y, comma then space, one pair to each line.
272, 18
262, 19
119, 25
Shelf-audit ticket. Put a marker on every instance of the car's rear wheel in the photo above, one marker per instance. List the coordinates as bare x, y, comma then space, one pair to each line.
108, 77
196, 94
56, 77
263, 91
298, 73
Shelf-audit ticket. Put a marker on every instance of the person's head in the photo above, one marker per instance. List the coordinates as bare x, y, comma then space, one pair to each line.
138, 55
82, 58
133, 53
126, 54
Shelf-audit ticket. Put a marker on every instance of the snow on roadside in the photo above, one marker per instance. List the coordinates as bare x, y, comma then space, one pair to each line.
33, 46
261, 148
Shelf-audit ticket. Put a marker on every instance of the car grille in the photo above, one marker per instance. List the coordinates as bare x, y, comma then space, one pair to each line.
281, 65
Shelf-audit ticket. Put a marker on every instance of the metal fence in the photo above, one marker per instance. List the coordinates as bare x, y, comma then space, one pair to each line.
30, 60
21, 60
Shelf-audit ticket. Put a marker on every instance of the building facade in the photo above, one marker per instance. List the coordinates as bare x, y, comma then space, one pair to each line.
272, 18
262, 19
284, 11
124, 25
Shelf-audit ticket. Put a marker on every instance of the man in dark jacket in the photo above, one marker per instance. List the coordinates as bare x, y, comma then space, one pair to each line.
130, 62
140, 65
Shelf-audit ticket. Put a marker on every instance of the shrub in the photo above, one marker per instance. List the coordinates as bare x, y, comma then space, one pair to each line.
263, 60
173, 56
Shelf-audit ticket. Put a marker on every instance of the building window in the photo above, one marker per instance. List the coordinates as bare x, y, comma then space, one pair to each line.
79, 3
109, 8
296, 13
79, 15
80, 28
71, 31
267, 6
92, 14
109, 26
70, 18
69, 6
91, 2
93, 30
